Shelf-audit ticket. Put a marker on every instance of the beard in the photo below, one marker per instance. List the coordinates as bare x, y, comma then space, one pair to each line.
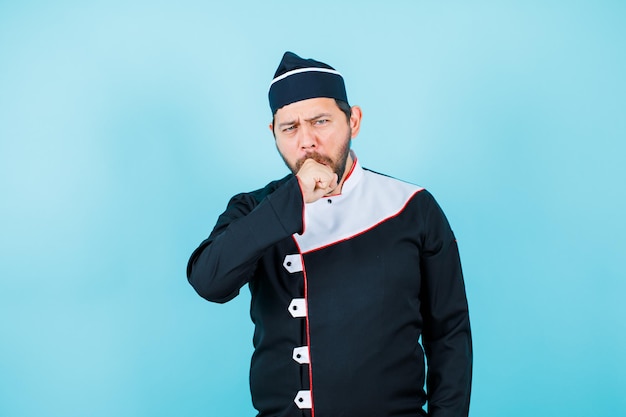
336, 163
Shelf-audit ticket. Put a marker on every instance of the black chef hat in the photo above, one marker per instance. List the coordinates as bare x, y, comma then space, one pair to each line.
300, 79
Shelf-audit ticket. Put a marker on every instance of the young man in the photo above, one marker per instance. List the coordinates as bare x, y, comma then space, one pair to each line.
347, 269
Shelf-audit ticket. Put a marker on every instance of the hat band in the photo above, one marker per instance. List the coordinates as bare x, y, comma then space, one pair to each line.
306, 83
301, 70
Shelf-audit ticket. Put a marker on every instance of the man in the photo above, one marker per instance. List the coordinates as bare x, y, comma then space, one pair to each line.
347, 269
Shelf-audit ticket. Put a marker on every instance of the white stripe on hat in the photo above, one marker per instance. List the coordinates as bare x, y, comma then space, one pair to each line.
300, 70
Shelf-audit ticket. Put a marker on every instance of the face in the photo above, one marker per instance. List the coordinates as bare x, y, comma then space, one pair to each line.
315, 128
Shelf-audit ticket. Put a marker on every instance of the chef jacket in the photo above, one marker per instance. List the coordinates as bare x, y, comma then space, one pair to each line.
349, 295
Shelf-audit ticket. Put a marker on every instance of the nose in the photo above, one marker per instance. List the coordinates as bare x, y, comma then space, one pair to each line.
307, 138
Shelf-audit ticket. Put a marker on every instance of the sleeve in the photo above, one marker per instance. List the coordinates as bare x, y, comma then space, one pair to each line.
446, 335
226, 261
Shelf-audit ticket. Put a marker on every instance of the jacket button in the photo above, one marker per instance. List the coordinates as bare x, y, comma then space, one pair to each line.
301, 354
293, 263
297, 307
303, 399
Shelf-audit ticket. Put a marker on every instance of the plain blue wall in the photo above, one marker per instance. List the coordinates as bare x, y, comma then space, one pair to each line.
126, 126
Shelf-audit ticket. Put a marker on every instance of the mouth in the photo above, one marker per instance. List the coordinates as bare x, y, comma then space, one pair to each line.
317, 157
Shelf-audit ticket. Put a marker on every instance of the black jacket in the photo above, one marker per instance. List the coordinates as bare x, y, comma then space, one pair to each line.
342, 289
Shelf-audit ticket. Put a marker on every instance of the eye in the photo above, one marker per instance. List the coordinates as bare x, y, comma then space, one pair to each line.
289, 129
321, 121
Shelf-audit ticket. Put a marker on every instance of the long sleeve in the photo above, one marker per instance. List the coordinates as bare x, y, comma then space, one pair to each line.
252, 222
446, 336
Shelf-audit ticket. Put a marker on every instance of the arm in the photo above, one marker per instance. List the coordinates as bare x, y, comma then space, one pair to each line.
225, 261
446, 337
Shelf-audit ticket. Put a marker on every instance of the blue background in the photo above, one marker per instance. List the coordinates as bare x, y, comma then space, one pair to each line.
126, 126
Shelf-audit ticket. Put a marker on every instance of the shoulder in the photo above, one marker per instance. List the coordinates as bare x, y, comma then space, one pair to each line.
413, 195
256, 196
386, 185
240, 205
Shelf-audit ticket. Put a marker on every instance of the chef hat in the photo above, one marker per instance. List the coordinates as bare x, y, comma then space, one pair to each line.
300, 79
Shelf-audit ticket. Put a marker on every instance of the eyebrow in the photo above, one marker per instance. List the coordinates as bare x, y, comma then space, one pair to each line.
293, 122
319, 116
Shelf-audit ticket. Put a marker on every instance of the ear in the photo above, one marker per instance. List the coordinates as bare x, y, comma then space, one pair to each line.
355, 120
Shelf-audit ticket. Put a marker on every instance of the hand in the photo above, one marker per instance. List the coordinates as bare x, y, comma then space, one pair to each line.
316, 180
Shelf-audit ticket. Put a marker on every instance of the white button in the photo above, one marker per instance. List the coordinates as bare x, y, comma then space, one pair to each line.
297, 308
293, 263
303, 399
301, 354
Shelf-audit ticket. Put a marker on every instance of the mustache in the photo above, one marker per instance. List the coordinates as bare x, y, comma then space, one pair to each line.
317, 157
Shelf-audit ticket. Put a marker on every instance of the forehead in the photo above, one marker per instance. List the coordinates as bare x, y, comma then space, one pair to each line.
306, 109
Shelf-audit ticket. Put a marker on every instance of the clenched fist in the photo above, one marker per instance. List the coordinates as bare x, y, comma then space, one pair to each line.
316, 180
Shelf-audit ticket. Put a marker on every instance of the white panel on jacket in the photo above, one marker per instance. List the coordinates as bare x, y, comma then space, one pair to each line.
366, 199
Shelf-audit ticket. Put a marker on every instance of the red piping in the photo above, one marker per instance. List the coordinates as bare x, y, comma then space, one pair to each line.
308, 330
